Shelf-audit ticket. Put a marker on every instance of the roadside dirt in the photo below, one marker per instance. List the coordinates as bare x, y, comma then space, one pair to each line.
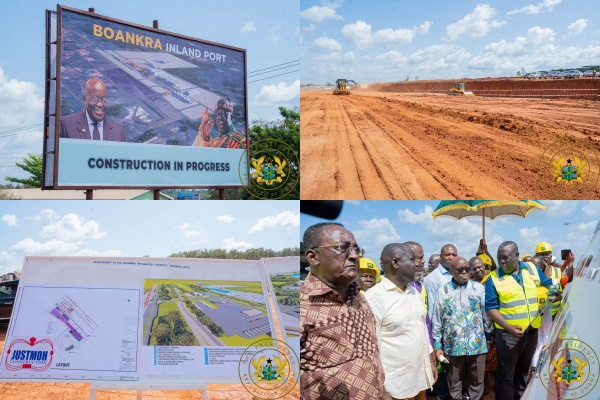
81, 391
391, 145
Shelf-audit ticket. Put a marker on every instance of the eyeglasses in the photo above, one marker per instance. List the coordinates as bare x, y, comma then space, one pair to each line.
463, 269
343, 249
95, 99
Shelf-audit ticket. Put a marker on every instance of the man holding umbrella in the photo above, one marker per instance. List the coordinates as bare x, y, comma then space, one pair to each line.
511, 302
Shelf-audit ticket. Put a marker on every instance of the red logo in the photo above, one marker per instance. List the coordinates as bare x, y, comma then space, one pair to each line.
33, 354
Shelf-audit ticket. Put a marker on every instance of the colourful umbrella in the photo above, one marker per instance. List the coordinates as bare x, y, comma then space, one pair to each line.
491, 209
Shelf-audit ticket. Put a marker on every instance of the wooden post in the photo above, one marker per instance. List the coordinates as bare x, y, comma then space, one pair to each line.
155, 24
89, 194
221, 194
156, 194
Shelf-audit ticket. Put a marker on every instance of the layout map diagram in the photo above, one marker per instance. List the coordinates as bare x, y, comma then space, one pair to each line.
204, 313
91, 333
286, 287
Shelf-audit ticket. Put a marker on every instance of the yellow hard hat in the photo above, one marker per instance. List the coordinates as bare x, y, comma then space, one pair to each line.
525, 256
366, 264
543, 247
486, 259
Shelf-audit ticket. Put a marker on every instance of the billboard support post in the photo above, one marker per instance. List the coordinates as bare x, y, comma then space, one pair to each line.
221, 194
89, 194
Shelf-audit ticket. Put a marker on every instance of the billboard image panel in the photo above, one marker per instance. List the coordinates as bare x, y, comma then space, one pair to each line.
142, 107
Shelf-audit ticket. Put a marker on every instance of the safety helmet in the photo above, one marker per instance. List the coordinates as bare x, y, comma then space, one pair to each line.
525, 256
366, 264
543, 247
486, 259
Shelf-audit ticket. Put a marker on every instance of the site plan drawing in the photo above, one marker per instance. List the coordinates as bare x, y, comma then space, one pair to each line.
204, 313
286, 287
90, 332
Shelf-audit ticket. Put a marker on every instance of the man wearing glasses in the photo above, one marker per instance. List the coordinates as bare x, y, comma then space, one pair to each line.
91, 123
458, 330
228, 136
339, 358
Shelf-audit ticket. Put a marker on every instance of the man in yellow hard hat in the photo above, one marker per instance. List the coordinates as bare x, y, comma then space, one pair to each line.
367, 274
511, 301
543, 251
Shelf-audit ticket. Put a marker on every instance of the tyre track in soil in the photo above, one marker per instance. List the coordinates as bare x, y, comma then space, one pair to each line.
418, 147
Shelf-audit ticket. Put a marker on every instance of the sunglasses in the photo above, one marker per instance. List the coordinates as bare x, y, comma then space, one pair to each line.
341, 249
463, 269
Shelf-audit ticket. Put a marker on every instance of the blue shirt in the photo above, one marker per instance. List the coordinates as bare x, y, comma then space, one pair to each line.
492, 299
432, 283
458, 319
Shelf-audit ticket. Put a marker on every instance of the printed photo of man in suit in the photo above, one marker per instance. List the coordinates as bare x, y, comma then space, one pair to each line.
91, 123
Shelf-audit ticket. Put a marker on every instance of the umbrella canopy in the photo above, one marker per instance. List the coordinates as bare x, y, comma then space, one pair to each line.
491, 209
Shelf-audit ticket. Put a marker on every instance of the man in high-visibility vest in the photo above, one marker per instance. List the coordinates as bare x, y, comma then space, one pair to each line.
511, 301
544, 251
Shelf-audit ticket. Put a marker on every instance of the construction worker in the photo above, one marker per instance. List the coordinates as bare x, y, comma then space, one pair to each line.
526, 258
544, 251
511, 301
367, 274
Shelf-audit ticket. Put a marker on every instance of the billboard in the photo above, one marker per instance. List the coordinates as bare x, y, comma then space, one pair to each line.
139, 107
136, 319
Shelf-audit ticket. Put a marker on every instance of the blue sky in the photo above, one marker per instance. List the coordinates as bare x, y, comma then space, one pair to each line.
383, 41
267, 29
377, 223
141, 228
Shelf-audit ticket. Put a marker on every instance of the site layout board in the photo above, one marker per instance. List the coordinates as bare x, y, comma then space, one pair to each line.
171, 109
171, 317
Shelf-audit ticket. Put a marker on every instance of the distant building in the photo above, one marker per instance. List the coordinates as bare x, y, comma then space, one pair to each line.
252, 313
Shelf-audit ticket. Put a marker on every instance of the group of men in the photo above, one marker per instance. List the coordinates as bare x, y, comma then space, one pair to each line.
366, 336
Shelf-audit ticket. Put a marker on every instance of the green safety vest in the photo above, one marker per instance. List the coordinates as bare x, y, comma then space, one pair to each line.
556, 276
518, 305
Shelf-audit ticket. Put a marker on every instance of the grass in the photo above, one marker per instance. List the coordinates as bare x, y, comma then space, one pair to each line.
209, 304
237, 340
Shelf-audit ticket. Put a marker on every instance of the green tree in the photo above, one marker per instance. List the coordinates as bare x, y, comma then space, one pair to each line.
32, 164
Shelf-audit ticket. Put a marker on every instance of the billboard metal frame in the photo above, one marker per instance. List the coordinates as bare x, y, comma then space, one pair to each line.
57, 78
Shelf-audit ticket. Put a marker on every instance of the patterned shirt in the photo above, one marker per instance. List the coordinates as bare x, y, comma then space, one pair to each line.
339, 358
458, 319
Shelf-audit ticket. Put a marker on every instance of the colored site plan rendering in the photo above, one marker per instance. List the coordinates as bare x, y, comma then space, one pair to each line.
204, 313
287, 291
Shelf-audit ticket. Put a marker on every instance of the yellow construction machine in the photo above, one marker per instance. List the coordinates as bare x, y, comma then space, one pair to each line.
459, 90
342, 86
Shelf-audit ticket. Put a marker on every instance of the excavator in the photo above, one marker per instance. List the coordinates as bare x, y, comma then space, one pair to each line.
459, 90
342, 86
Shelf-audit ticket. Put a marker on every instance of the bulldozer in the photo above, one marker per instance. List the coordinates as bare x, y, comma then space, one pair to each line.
459, 90
342, 86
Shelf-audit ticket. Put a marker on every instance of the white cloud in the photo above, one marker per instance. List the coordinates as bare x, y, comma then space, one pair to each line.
187, 230
327, 44
274, 35
476, 24
231, 244
438, 58
409, 217
279, 94
360, 35
319, 14
47, 214
10, 219
530, 237
309, 28
591, 209
559, 208
52, 247
285, 219
577, 27
20, 103
544, 6
249, 27
225, 218
72, 226
378, 232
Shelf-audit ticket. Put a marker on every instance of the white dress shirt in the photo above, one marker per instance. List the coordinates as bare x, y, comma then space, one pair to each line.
402, 338
91, 126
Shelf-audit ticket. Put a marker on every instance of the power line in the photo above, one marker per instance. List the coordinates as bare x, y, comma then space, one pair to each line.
278, 65
268, 72
269, 77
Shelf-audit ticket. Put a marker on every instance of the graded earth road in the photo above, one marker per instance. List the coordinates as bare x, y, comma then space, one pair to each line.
386, 145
